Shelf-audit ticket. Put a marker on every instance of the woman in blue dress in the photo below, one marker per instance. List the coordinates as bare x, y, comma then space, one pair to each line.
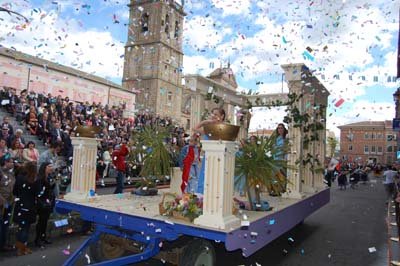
217, 116
280, 142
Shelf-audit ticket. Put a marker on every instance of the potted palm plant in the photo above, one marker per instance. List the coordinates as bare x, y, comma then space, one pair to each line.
257, 167
152, 154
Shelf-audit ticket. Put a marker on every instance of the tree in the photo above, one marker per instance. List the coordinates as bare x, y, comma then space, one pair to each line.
332, 142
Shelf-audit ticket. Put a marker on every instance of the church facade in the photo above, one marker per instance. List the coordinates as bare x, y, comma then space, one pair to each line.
153, 68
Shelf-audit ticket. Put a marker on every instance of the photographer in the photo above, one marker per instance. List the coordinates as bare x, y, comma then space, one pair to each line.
51, 156
45, 184
7, 181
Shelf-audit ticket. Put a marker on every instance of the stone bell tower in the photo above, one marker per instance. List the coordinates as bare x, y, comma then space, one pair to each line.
154, 56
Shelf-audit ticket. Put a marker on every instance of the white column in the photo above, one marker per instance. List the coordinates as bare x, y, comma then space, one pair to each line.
218, 184
83, 168
176, 181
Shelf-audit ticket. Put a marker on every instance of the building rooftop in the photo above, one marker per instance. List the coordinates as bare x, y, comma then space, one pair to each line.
372, 124
29, 59
224, 74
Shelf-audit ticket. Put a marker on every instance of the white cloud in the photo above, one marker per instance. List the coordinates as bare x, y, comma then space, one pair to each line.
361, 111
200, 32
66, 42
199, 65
233, 7
265, 118
269, 88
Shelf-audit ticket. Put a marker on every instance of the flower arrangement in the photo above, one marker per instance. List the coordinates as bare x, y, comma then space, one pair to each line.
186, 206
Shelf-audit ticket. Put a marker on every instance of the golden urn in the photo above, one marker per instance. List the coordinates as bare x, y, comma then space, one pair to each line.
221, 131
87, 131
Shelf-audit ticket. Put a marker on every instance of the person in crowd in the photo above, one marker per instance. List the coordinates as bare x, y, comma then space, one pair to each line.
107, 159
32, 120
7, 181
217, 116
20, 111
25, 208
30, 152
68, 149
3, 147
188, 162
118, 159
6, 124
52, 156
18, 136
342, 178
44, 127
45, 198
41, 109
389, 176
17, 149
56, 132
6, 136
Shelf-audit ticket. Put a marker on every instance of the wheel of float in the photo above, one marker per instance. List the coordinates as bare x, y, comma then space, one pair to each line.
198, 252
107, 247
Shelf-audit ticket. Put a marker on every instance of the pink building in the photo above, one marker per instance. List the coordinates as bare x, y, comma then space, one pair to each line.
22, 71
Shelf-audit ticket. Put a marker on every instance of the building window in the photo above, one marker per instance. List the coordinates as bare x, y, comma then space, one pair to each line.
380, 149
372, 135
389, 148
373, 149
366, 149
379, 136
176, 34
394, 148
166, 29
169, 97
187, 124
389, 137
366, 135
389, 159
144, 22
350, 147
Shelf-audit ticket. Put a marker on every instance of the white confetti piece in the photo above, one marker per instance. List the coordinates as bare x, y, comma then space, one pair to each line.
372, 249
88, 258
245, 223
169, 222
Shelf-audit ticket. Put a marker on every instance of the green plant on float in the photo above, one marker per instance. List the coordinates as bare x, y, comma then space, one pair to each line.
256, 163
151, 146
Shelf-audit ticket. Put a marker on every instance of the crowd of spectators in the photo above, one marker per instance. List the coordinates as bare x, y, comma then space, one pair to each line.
53, 119
29, 176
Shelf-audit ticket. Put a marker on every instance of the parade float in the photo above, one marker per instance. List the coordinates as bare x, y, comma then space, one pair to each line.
131, 228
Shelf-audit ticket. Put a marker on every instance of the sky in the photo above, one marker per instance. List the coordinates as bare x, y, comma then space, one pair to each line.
351, 45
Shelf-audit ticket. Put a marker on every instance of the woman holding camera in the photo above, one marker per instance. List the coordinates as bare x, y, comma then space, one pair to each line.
45, 184
25, 190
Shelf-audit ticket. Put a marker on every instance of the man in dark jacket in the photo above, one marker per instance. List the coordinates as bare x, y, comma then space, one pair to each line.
118, 159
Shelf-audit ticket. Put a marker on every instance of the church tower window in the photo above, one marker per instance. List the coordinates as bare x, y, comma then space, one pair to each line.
144, 21
176, 34
166, 24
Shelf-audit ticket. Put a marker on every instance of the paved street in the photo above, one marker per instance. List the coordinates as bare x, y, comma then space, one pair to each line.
339, 234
